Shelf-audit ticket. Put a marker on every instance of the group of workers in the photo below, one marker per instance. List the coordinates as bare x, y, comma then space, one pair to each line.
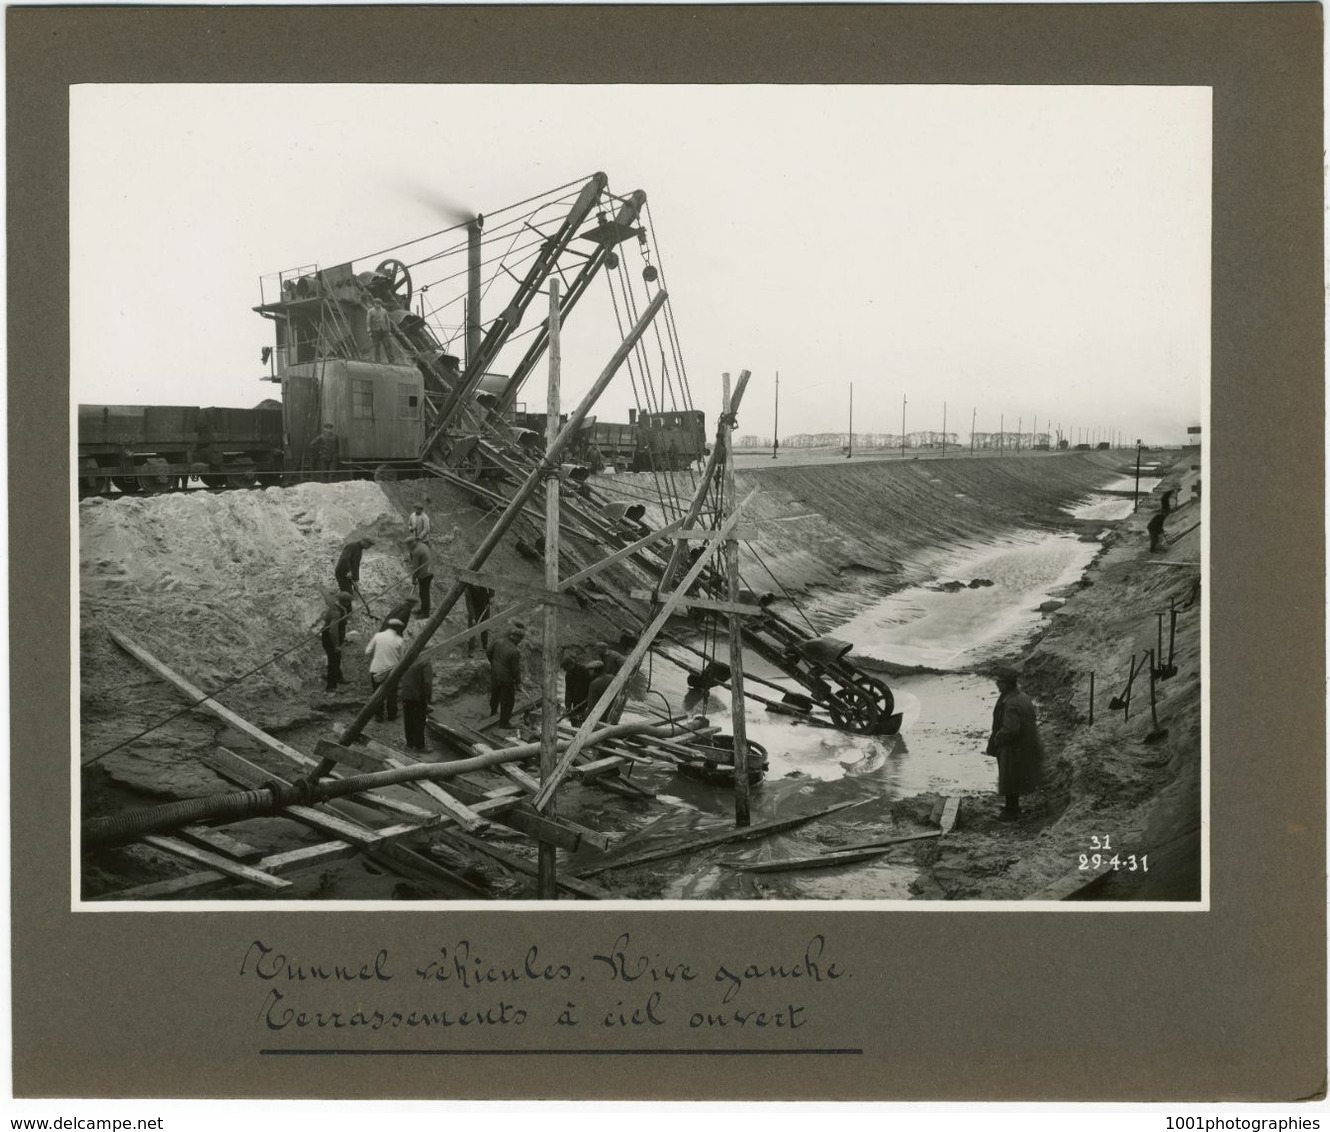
385, 647
585, 681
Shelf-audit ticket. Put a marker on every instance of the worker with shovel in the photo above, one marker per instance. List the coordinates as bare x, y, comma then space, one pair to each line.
332, 626
347, 570
1015, 743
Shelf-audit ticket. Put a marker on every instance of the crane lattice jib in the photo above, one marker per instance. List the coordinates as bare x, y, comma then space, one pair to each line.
621, 228
503, 326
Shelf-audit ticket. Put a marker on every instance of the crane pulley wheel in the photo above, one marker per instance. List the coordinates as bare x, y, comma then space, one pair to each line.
398, 279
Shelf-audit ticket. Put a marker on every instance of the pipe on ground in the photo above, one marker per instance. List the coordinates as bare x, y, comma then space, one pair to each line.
119, 829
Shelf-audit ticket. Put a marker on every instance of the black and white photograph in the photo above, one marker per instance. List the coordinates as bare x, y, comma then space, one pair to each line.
662, 495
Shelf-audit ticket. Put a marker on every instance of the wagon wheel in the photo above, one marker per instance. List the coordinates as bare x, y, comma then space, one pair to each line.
92, 481
128, 484
241, 474
213, 479
862, 704
398, 279
154, 476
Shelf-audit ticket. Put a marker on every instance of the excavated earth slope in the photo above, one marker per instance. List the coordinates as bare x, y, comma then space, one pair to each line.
219, 584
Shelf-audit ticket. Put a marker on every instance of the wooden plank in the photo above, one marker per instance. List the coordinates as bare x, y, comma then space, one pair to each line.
215, 861
569, 884
468, 820
528, 784
371, 755
706, 840
504, 584
949, 813
740, 609
219, 842
489, 625
884, 842
244, 773
598, 767
619, 555
197, 883
208, 704
517, 815
821, 861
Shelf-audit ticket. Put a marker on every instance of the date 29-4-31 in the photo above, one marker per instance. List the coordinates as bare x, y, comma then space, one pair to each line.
1101, 859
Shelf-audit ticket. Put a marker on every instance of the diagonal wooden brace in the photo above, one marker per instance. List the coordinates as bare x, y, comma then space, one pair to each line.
621, 678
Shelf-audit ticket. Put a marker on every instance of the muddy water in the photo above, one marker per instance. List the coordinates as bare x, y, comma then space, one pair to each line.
1128, 483
939, 629
940, 749
1101, 507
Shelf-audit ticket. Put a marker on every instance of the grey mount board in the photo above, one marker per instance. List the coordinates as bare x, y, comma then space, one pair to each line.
1178, 1004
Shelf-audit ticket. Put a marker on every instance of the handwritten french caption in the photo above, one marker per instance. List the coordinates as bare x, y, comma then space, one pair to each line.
469, 986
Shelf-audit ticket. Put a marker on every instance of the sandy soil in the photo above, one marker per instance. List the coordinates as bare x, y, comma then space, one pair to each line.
218, 584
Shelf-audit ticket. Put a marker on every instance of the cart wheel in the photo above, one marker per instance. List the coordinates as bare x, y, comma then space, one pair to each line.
154, 477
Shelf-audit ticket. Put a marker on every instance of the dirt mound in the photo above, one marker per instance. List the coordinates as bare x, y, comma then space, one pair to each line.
214, 585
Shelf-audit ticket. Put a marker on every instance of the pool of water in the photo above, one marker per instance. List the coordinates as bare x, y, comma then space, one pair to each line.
1106, 507
924, 625
1128, 483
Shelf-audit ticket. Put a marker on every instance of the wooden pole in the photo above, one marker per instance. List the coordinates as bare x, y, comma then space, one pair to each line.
703, 489
1154, 715
1136, 491
546, 880
738, 723
501, 525
644, 642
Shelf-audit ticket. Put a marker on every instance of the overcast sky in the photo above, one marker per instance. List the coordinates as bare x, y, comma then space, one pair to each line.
1019, 251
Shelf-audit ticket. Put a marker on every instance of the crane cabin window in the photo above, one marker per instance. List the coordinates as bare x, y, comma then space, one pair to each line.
408, 402
362, 398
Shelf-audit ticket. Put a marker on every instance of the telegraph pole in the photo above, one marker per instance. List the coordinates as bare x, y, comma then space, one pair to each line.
1002, 434
974, 413
1019, 421
775, 427
850, 451
902, 426
944, 428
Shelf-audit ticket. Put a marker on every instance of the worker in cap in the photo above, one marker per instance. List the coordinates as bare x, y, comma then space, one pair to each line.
418, 523
1015, 743
380, 331
421, 561
385, 649
506, 672
332, 633
347, 570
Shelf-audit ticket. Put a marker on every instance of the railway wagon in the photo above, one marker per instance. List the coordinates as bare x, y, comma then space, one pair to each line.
158, 447
654, 441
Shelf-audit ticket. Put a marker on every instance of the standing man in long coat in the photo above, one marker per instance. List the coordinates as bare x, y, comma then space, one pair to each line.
416, 689
1015, 743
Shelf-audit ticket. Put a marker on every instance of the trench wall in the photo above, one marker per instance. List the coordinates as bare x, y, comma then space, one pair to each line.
216, 584
814, 523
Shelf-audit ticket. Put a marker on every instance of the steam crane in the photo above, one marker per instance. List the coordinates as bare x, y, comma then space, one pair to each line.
402, 400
